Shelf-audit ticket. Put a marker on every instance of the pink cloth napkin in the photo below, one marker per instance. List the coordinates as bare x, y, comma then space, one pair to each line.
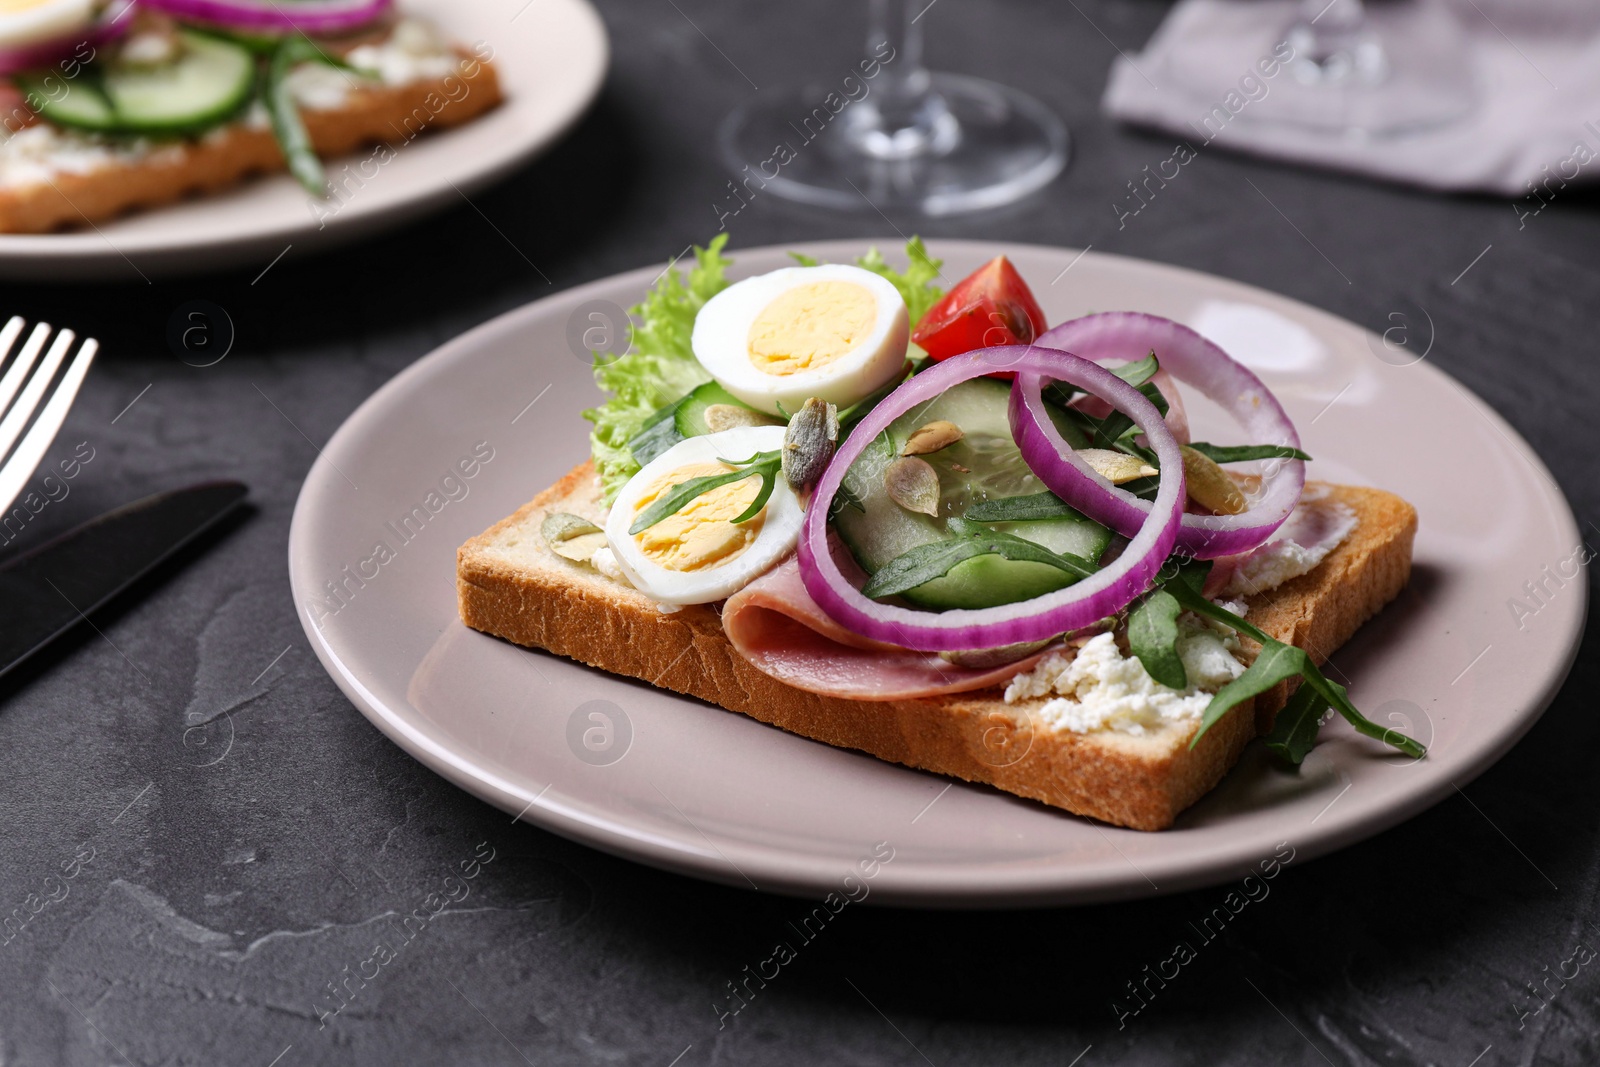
1524, 77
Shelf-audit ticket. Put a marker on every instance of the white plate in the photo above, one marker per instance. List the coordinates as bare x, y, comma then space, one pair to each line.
696, 789
551, 59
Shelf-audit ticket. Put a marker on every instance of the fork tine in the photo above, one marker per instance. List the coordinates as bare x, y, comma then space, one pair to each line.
11, 426
22, 364
16, 471
8, 335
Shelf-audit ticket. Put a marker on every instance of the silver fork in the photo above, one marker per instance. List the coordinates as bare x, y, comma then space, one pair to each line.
19, 464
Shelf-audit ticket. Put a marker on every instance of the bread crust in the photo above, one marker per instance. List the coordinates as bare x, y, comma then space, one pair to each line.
371, 115
511, 585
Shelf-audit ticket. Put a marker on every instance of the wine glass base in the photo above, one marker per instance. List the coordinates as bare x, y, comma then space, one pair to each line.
1399, 72
991, 145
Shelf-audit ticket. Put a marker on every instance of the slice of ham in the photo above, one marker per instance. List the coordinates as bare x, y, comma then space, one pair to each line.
775, 624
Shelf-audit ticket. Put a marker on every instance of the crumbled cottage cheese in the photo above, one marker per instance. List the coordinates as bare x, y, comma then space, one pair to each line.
605, 561
1315, 528
35, 154
413, 52
1101, 689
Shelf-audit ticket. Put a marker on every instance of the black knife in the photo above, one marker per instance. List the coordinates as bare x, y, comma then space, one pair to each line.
48, 590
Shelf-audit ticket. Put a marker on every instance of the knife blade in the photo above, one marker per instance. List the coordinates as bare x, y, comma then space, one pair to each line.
49, 589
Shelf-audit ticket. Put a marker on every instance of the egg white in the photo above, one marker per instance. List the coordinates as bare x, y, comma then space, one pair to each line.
43, 21
722, 331
780, 529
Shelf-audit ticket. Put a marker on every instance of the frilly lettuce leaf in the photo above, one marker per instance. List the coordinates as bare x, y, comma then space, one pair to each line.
916, 282
659, 366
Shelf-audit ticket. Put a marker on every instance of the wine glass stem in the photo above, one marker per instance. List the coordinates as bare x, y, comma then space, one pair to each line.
904, 118
1334, 45
1330, 24
894, 35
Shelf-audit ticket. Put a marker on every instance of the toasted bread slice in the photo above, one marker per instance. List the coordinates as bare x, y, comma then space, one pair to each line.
512, 585
162, 173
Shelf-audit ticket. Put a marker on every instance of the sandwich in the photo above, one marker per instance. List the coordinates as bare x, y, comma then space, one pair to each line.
110, 107
932, 527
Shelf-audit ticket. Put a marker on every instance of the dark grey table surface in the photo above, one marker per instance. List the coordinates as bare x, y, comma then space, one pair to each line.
227, 875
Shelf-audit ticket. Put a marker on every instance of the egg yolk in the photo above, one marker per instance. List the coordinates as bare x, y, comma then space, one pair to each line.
700, 535
810, 326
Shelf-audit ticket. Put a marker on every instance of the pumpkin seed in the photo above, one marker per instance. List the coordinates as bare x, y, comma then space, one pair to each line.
931, 438
913, 484
809, 442
1116, 467
572, 536
1209, 485
721, 417
984, 658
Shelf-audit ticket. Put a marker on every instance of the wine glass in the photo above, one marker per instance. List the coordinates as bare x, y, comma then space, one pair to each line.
1347, 79
891, 134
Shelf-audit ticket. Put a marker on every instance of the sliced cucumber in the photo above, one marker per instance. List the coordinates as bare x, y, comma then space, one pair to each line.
79, 105
1076, 536
690, 416
984, 465
209, 82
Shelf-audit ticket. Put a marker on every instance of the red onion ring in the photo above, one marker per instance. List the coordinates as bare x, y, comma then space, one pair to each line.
1195, 361
112, 23
1078, 605
309, 16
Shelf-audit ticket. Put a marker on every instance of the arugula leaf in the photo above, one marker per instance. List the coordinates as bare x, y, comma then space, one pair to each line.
1339, 697
658, 367
1117, 430
1143, 488
764, 464
284, 114
1140, 372
1188, 570
1294, 731
1020, 548
915, 283
1045, 505
846, 497
658, 433
1136, 373
1241, 453
926, 562
1190, 579
1153, 637
921, 565
769, 476
1276, 663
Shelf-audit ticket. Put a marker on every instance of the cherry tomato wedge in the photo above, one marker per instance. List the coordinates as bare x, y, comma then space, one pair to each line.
990, 306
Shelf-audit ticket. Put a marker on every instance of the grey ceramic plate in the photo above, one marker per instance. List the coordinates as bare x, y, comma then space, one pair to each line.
683, 785
551, 58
